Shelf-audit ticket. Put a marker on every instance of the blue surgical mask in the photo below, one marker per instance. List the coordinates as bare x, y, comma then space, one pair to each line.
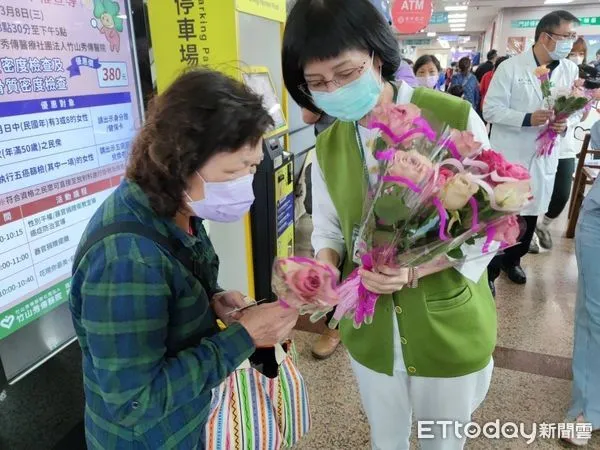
562, 50
353, 101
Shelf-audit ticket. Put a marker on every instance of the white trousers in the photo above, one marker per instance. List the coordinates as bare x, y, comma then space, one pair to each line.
391, 403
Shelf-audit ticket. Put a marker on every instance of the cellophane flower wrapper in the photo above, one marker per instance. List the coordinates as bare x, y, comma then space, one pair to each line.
306, 285
436, 192
564, 103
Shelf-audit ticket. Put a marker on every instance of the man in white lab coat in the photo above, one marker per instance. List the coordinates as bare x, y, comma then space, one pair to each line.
514, 105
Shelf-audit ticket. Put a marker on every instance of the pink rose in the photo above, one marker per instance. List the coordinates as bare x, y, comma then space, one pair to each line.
508, 231
578, 92
465, 143
496, 163
578, 83
542, 73
515, 171
305, 284
443, 176
494, 160
398, 118
411, 165
457, 192
594, 94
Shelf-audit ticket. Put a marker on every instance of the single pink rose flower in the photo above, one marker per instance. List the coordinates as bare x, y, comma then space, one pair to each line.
496, 163
411, 165
465, 143
494, 160
542, 73
306, 282
508, 231
578, 92
443, 176
398, 118
515, 171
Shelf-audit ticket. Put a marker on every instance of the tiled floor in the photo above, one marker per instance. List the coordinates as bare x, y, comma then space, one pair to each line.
531, 380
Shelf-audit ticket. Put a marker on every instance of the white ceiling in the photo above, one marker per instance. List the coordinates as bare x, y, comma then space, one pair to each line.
481, 13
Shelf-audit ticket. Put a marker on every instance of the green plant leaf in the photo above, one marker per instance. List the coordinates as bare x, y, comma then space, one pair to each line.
390, 209
380, 145
456, 253
383, 238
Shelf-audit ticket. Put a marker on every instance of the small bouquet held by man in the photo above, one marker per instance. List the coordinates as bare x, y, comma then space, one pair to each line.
438, 194
564, 104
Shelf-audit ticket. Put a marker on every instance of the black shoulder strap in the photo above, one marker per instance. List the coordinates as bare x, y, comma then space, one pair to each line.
173, 246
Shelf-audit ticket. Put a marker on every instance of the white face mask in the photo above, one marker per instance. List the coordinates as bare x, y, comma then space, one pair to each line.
577, 59
430, 81
225, 201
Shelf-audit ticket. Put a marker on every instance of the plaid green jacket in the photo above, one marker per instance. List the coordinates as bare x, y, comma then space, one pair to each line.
152, 350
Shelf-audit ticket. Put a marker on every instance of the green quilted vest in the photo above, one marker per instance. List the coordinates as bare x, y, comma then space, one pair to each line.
448, 324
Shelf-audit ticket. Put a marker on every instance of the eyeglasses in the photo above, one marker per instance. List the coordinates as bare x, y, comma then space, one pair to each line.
564, 37
343, 78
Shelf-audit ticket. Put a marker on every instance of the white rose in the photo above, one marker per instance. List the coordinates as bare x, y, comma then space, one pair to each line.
457, 192
513, 196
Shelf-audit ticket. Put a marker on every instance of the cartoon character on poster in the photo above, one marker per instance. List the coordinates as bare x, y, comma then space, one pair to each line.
111, 24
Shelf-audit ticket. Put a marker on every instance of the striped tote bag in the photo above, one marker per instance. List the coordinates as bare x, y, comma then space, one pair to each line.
252, 411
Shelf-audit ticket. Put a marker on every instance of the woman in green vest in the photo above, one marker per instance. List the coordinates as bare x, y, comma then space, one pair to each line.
428, 353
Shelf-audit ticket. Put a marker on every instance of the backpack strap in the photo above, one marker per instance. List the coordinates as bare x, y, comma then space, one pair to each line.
172, 246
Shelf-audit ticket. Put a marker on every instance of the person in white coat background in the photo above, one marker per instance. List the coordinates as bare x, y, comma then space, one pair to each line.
514, 105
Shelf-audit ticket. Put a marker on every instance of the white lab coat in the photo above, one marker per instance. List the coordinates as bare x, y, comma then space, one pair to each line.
514, 92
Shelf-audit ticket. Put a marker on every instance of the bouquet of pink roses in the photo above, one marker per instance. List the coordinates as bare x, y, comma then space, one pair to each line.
305, 284
564, 104
436, 192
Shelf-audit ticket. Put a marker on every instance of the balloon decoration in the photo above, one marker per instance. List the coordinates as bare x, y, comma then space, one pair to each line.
411, 16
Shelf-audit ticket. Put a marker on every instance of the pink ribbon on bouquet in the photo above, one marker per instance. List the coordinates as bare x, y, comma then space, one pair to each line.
442, 213
490, 234
385, 155
451, 147
421, 127
402, 180
355, 297
547, 141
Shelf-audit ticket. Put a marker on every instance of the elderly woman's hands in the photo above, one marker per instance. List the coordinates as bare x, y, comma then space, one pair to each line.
224, 303
269, 324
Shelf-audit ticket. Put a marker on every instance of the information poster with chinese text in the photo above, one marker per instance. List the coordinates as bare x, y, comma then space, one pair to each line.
69, 109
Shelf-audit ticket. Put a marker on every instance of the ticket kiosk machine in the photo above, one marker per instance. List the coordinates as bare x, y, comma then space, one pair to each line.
241, 38
272, 216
